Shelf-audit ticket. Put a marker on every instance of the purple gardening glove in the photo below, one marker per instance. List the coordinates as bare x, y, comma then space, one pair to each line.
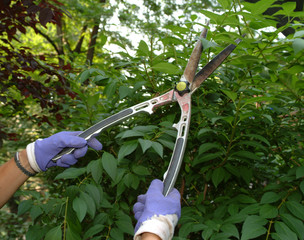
155, 203
46, 149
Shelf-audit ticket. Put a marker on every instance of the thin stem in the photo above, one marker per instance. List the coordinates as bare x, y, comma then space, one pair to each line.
231, 140
280, 205
65, 217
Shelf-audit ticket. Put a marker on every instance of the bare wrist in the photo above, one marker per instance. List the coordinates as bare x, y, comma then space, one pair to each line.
24, 161
149, 236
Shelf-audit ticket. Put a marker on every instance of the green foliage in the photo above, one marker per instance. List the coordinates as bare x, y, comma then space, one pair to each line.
242, 176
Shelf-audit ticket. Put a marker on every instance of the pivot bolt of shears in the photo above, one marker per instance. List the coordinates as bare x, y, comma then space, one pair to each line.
182, 87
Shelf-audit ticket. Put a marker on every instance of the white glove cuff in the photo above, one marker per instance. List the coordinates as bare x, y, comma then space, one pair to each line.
162, 226
30, 150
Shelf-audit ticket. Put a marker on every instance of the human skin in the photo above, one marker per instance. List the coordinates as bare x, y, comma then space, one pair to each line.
149, 236
11, 177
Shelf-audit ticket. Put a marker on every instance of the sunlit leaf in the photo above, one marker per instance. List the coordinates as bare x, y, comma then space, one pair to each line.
298, 45
166, 68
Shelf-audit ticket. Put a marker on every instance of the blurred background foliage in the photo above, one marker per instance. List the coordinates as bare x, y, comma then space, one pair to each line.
67, 64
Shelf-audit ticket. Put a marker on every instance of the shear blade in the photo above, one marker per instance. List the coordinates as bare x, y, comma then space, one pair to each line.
210, 67
195, 57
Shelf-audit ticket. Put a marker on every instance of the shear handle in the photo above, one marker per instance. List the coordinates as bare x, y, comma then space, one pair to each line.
147, 106
180, 144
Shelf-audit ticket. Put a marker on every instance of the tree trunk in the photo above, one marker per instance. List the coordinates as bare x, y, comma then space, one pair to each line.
93, 39
60, 44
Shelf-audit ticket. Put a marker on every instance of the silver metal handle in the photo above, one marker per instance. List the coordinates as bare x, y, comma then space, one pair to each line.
147, 106
180, 144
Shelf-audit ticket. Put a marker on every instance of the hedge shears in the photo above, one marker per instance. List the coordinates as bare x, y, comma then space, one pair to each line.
181, 93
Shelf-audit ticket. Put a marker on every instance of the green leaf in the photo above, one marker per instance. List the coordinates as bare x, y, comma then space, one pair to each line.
116, 234
72, 234
124, 223
140, 170
166, 68
207, 146
93, 230
206, 157
84, 75
225, 3
283, 232
127, 149
35, 232
158, 148
296, 209
218, 176
268, 211
218, 18
299, 34
130, 133
254, 144
246, 154
124, 92
207, 233
294, 224
259, 7
94, 193
258, 137
207, 44
300, 172
296, 69
298, 45
253, 227
242, 198
91, 208
288, 7
92, 100
302, 186
143, 49
54, 234
95, 168
270, 197
24, 206
110, 89
80, 207
230, 94
230, 230
185, 229
35, 212
167, 143
205, 130
71, 173
109, 164
145, 144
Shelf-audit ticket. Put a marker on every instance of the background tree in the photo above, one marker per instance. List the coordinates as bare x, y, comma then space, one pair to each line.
243, 171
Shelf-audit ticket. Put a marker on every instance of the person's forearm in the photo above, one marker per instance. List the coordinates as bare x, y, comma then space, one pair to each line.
11, 177
149, 236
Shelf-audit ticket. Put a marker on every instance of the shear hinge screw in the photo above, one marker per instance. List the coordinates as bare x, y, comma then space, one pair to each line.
182, 87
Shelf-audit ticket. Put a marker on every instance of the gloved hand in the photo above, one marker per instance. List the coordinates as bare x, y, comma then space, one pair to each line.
41, 152
155, 204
